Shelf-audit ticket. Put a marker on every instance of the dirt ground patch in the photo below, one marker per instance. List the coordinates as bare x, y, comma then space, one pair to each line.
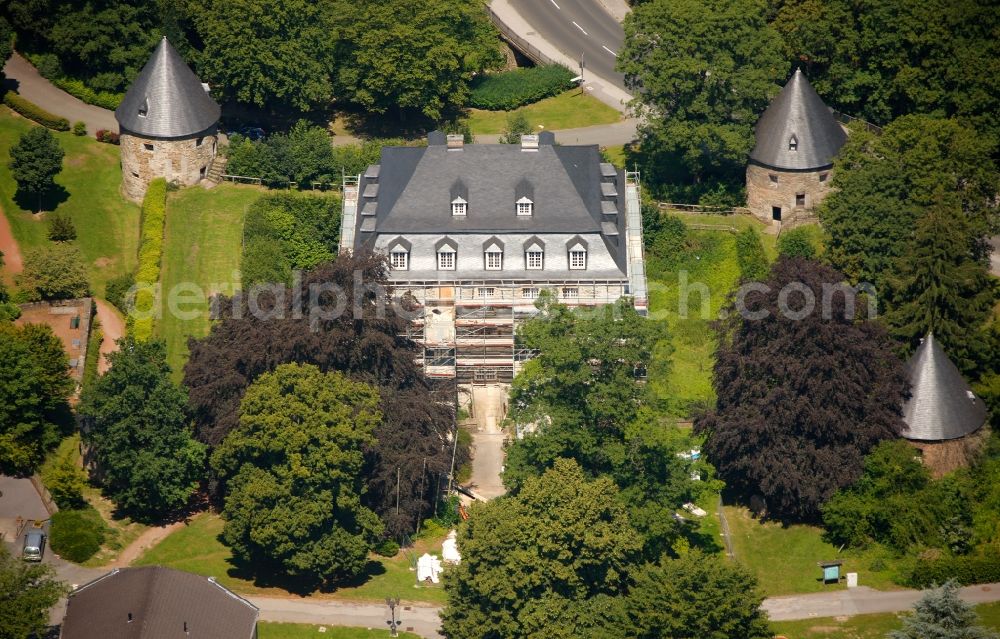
13, 260
113, 327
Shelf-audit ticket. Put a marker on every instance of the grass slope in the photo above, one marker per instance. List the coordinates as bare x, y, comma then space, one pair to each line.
107, 225
569, 110
267, 630
197, 548
708, 263
202, 246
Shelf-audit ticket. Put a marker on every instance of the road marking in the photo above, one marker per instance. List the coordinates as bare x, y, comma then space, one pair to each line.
580, 28
554, 2
609, 51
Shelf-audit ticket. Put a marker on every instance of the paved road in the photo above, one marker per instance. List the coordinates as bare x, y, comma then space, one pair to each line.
578, 28
37, 89
421, 620
862, 601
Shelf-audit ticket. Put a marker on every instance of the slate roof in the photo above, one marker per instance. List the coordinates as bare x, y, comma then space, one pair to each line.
941, 405
160, 600
173, 97
797, 111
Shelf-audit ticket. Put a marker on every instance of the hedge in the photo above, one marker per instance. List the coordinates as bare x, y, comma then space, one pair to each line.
77, 535
512, 89
154, 215
81, 91
967, 570
34, 112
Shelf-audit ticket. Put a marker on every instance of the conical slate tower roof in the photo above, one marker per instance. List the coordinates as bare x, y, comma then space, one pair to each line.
797, 131
941, 405
167, 100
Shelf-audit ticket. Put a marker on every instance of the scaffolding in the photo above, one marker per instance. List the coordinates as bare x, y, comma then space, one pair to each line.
350, 190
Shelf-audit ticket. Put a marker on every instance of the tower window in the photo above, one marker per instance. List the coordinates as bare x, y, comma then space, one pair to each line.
148, 147
199, 141
793, 143
144, 109
823, 177
800, 199
773, 177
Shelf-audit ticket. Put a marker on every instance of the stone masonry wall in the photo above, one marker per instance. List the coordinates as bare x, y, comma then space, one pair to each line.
763, 193
180, 160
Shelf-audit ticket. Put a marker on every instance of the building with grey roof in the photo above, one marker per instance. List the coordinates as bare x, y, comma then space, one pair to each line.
797, 139
476, 232
153, 602
942, 415
168, 124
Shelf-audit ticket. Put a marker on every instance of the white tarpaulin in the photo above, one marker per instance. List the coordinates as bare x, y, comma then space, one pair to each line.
429, 567
449, 549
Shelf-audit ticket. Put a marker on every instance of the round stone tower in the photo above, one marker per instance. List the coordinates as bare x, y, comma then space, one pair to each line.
797, 139
168, 124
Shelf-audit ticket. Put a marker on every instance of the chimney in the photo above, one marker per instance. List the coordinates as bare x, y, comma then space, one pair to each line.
529, 143
456, 141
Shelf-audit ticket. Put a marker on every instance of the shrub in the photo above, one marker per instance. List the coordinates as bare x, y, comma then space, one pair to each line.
796, 243
54, 272
61, 228
65, 481
511, 89
79, 128
34, 112
976, 569
517, 125
751, 256
288, 231
117, 290
108, 137
665, 238
154, 212
387, 548
77, 535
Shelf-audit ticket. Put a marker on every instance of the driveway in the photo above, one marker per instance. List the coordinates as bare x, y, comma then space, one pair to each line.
18, 500
32, 86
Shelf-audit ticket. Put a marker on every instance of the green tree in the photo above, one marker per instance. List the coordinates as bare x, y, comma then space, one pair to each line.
35, 161
34, 388
279, 55
531, 563
298, 456
938, 287
517, 125
61, 228
751, 256
137, 426
54, 272
694, 596
6, 41
941, 614
796, 243
707, 70
416, 56
884, 184
29, 591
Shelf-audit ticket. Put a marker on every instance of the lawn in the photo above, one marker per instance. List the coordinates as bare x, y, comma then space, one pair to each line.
196, 548
569, 110
107, 225
864, 626
709, 263
202, 246
267, 630
784, 558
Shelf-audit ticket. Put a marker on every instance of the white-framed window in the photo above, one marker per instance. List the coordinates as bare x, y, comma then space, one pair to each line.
534, 260
446, 260
459, 207
399, 260
494, 260
530, 292
485, 292
578, 259
525, 207
570, 292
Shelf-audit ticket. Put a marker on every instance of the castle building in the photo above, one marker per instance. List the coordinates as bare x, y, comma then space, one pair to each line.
944, 418
474, 233
168, 124
797, 139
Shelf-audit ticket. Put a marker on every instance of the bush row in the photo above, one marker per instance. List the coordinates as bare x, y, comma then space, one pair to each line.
34, 112
49, 68
967, 570
512, 89
154, 214
106, 136
77, 535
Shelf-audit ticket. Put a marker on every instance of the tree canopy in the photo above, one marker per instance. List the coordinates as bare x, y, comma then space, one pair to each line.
137, 425
34, 388
292, 472
30, 589
531, 563
417, 421
35, 161
942, 614
54, 272
707, 70
803, 394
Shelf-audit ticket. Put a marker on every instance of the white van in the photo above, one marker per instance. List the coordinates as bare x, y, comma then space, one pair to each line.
34, 545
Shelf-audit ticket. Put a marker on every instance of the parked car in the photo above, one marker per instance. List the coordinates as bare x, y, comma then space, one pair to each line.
254, 133
34, 546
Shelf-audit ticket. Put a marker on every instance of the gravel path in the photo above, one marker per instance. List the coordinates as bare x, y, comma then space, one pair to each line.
13, 262
113, 327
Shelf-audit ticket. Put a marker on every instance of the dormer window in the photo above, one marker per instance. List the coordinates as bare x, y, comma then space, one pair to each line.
793, 143
494, 261
578, 259
399, 260
525, 207
144, 109
534, 260
459, 207
446, 259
